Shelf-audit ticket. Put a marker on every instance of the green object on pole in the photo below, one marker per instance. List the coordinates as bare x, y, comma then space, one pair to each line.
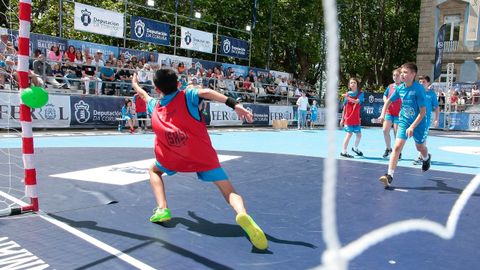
34, 97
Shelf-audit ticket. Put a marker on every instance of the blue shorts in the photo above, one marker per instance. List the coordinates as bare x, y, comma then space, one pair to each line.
393, 119
207, 176
419, 133
354, 129
313, 117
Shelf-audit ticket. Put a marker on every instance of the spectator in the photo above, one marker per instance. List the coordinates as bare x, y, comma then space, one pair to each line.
152, 61
112, 59
145, 77
70, 54
98, 59
78, 58
192, 70
475, 94
302, 103
128, 114
54, 54
58, 75
12, 58
107, 74
141, 110
124, 76
89, 75
282, 87
71, 71
3, 40
43, 72
441, 101
3, 69
121, 57
86, 53
454, 100
181, 68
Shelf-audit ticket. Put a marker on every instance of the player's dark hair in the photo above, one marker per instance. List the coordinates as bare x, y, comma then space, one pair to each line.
411, 66
166, 80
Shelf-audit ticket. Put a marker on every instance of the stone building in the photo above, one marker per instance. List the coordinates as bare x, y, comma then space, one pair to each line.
462, 39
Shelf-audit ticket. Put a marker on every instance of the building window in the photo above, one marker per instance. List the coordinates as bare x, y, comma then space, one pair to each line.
452, 31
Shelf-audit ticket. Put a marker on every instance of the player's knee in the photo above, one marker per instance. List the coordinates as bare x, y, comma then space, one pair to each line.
154, 169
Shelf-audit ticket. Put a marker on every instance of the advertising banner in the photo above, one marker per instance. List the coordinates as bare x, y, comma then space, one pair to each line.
437, 69
95, 111
128, 53
237, 69
371, 108
474, 122
280, 112
196, 40
222, 115
94, 47
44, 43
456, 121
168, 60
234, 47
260, 114
55, 114
98, 20
199, 63
149, 30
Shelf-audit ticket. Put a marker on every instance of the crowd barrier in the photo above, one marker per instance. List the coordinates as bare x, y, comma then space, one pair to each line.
88, 111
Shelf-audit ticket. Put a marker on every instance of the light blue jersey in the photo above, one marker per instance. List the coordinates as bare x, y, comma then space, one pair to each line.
193, 101
431, 103
413, 98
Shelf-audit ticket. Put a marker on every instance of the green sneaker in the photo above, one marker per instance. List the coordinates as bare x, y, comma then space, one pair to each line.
160, 215
256, 235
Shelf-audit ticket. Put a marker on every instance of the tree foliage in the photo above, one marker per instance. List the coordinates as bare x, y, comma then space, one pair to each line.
375, 36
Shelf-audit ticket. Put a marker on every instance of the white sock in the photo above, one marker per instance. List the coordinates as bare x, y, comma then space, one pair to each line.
390, 172
425, 158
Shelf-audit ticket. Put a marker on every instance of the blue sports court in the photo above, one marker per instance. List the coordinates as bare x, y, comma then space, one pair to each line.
96, 200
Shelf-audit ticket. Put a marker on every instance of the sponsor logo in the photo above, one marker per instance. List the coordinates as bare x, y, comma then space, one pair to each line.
371, 99
85, 18
227, 46
82, 114
49, 112
188, 38
139, 28
440, 45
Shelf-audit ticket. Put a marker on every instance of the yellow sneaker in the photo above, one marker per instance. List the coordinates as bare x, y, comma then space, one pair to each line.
256, 235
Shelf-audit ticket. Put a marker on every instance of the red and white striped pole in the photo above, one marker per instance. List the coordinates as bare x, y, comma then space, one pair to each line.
24, 13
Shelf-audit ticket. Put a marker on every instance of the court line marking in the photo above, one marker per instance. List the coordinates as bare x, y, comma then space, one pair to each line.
99, 244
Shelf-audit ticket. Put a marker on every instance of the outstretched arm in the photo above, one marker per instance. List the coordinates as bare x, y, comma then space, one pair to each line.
139, 90
216, 96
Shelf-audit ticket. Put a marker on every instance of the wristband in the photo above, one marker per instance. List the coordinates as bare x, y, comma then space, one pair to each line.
231, 102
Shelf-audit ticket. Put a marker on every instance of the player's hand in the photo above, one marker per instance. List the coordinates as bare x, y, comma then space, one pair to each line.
381, 118
341, 123
243, 113
410, 132
135, 80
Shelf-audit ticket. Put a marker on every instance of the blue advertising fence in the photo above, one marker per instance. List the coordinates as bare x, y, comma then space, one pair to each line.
371, 108
88, 111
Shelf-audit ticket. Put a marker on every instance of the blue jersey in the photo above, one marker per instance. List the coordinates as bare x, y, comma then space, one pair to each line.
413, 98
431, 102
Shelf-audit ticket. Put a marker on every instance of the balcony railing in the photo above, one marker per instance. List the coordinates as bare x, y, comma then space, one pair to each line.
450, 46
